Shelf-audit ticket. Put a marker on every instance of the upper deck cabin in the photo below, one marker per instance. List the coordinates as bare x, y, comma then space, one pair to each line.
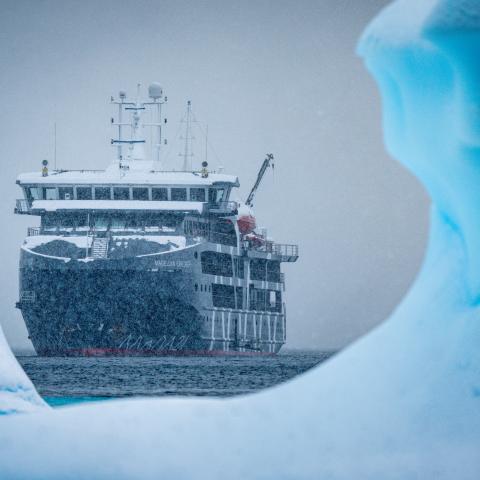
107, 190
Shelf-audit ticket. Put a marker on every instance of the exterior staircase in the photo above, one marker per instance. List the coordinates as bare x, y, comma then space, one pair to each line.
100, 247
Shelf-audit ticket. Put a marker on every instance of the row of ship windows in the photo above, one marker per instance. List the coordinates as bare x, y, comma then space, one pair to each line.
179, 194
227, 296
223, 265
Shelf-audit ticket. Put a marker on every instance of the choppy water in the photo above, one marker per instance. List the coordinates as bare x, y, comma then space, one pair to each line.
70, 380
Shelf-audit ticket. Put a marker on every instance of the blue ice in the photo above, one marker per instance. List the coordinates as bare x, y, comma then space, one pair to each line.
401, 403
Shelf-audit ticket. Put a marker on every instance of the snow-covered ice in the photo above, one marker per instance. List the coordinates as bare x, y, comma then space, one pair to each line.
401, 403
17, 394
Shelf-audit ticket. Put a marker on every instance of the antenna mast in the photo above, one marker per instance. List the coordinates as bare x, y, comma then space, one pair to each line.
136, 157
188, 148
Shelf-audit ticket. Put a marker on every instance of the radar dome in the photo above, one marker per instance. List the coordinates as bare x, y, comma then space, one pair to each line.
155, 90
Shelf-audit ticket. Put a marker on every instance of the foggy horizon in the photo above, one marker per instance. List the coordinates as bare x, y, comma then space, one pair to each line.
278, 77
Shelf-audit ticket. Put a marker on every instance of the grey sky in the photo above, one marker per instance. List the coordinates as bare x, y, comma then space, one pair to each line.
277, 77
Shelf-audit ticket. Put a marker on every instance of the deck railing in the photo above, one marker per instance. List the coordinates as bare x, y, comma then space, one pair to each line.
33, 231
285, 250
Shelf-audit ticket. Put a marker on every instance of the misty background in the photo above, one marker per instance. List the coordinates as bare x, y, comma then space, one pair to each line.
265, 76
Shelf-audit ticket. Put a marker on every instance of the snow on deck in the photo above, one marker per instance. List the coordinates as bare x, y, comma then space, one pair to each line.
54, 205
103, 177
81, 241
177, 241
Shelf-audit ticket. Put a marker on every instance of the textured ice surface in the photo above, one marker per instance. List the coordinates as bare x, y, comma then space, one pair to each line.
17, 394
401, 403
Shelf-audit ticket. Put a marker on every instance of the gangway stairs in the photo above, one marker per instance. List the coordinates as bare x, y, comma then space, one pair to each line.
100, 247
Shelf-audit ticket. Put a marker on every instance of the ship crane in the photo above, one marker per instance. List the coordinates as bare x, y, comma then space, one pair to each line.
266, 163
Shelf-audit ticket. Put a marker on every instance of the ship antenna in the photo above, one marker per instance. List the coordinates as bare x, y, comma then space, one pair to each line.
188, 149
206, 144
55, 146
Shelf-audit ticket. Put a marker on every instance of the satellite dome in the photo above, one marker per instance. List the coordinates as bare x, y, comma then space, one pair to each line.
122, 94
155, 90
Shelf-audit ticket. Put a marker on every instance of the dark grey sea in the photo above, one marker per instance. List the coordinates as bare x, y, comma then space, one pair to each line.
66, 380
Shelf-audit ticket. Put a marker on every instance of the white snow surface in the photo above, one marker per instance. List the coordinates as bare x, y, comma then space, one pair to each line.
112, 177
81, 241
178, 240
54, 205
402, 403
17, 394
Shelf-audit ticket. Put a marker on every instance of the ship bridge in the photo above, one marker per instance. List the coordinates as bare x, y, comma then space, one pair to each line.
90, 190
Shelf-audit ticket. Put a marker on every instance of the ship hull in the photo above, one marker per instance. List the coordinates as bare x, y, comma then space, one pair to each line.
122, 308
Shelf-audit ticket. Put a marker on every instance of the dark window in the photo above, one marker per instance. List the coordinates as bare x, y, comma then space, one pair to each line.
102, 193
101, 222
66, 221
84, 193
120, 193
159, 194
50, 193
49, 220
238, 266
258, 299
197, 194
179, 194
224, 232
140, 193
258, 269
196, 229
215, 195
276, 304
217, 264
65, 193
239, 297
223, 296
273, 271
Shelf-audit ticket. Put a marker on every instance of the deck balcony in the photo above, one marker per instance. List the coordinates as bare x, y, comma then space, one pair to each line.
23, 207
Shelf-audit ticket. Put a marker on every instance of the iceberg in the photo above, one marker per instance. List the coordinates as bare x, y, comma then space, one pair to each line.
402, 402
17, 393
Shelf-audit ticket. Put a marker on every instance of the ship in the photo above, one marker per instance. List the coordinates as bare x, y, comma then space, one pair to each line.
137, 260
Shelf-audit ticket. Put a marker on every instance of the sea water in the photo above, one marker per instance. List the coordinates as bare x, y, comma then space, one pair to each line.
65, 380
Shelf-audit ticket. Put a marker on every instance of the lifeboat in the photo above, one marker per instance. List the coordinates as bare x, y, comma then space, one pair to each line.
246, 220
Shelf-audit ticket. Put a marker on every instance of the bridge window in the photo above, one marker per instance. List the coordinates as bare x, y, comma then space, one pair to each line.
214, 263
50, 193
159, 194
65, 193
34, 193
102, 193
84, 193
197, 194
215, 195
140, 193
120, 193
223, 296
179, 194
